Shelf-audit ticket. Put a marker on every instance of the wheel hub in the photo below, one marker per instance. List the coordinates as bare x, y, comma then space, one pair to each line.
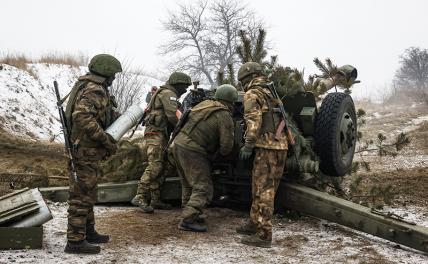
347, 133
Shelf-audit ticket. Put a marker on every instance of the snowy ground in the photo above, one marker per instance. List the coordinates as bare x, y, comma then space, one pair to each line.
27, 109
28, 103
142, 238
391, 121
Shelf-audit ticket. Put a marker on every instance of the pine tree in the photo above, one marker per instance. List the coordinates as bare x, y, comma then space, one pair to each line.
252, 51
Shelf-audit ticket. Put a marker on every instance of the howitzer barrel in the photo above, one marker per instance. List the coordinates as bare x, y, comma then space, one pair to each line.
294, 196
347, 72
125, 122
331, 208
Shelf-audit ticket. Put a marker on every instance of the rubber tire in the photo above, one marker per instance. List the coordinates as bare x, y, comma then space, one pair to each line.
327, 134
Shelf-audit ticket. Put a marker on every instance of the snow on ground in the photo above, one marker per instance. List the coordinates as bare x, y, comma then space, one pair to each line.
28, 103
414, 124
304, 240
391, 121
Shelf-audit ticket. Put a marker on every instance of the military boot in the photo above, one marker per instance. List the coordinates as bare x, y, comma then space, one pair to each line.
81, 247
248, 228
256, 241
136, 200
146, 208
144, 204
201, 218
192, 225
92, 236
157, 203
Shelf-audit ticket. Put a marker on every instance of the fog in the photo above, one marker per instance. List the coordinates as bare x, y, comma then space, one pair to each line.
368, 34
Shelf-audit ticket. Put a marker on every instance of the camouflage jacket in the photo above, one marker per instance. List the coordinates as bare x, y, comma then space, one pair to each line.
161, 115
260, 117
209, 129
148, 97
90, 111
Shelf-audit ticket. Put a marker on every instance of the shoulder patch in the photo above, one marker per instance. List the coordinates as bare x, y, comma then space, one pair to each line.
172, 98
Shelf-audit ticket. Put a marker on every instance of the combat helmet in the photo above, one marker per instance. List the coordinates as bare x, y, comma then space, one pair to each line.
226, 92
179, 78
249, 68
105, 65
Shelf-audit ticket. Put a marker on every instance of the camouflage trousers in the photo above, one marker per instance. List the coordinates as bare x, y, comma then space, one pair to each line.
151, 149
268, 167
82, 197
194, 170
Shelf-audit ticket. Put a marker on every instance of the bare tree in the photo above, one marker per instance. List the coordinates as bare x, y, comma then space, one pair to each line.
205, 36
412, 76
127, 87
189, 32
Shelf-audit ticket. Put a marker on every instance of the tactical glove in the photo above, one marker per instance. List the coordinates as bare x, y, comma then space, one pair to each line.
110, 145
245, 153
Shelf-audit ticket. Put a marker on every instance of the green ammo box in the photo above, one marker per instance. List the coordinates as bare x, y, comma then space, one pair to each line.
307, 118
21, 237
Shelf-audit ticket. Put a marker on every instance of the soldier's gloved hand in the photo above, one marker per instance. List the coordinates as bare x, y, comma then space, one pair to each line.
110, 145
245, 153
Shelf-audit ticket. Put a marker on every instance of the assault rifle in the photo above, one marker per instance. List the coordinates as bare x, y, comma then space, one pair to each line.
65, 131
283, 124
141, 121
181, 122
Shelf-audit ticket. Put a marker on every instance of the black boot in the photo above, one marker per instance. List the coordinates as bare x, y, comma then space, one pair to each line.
201, 219
92, 236
144, 203
193, 226
136, 200
146, 208
248, 228
81, 247
256, 241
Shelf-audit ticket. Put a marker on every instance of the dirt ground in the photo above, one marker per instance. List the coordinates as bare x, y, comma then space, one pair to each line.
36, 159
142, 238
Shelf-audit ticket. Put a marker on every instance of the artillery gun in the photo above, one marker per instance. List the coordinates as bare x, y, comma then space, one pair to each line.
325, 139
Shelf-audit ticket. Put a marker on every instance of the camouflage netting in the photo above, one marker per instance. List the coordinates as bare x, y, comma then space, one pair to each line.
126, 165
129, 163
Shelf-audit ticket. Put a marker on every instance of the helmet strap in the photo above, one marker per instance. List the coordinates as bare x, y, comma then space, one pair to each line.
109, 81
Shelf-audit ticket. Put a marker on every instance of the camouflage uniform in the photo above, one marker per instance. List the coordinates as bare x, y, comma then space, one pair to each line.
270, 152
89, 112
208, 131
160, 121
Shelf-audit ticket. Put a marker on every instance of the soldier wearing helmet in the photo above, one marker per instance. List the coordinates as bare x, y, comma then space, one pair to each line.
90, 110
160, 121
209, 131
150, 94
268, 142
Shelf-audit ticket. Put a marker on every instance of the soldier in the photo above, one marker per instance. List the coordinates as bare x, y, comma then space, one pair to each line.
208, 131
270, 152
89, 112
150, 94
160, 121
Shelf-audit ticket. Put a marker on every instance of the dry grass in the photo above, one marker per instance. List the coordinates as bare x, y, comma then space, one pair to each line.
75, 60
21, 61
18, 60
36, 160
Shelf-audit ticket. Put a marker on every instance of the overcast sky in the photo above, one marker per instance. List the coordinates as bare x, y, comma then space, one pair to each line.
369, 34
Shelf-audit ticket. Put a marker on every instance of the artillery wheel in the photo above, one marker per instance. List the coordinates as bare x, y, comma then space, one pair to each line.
336, 134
